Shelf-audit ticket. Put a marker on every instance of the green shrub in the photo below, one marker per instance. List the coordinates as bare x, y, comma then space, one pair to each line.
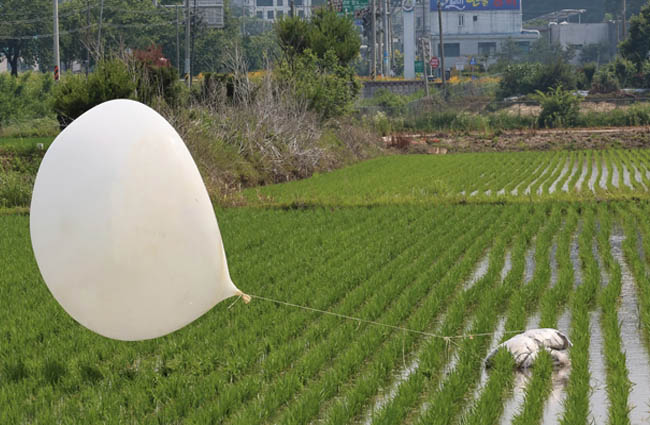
327, 87
393, 103
605, 81
75, 94
15, 189
560, 108
24, 98
526, 78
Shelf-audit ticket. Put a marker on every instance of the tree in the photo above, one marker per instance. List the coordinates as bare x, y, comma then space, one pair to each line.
637, 44
21, 21
325, 32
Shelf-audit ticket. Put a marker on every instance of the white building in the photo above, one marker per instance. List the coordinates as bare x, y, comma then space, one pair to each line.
476, 29
578, 36
270, 10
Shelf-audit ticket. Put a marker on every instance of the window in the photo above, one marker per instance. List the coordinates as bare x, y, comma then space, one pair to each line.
301, 13
475, 19
461, 20
451, 50
269, 15
279, 13
264, 2
260, 14
487, 49
279, 3
297, 2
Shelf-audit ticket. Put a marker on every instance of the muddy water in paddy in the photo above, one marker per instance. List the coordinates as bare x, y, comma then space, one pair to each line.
615, 176
594, 175
516, 189
638, 177
562, 174
409, 367
527, 191
516, 401
636, 356
554, 404
529, 268
598, 399
553, 264
583, 175
565, 186
603, 177
626, 177
540, 189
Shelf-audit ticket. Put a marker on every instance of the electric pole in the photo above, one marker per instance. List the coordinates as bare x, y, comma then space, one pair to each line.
99, 31
624, 17
87, 36
292, 9
373, 36
178, 41
57, 58
386, 39
187, 43
442, 51
424, 66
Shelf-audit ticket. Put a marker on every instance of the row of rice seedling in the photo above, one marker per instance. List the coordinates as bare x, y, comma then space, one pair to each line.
371, 341
637, 242
380, 302
289, 347
447, 402
576, 405
366, 385
104, 361
431, 362
552, 303
490, 404
618, 384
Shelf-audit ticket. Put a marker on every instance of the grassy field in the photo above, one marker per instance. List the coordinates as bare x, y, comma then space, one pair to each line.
481, 244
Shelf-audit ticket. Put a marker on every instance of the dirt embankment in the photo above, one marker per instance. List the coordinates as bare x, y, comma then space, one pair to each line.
523, 140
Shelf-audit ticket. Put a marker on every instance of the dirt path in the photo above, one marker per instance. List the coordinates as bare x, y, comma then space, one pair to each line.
521, 140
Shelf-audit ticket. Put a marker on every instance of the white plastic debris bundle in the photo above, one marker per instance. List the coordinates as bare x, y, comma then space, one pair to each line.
525, 347
122, 226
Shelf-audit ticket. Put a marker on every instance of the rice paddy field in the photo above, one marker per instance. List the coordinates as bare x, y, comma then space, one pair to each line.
462, 250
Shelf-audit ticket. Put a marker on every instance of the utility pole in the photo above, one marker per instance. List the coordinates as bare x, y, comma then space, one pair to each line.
424, 66
187, 44
178, 41
373, 41
99, 32
292, 9
57, 58
442, 51
624, 17
386, 39
87, 36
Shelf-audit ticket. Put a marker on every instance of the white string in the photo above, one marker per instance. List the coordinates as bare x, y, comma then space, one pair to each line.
447, 338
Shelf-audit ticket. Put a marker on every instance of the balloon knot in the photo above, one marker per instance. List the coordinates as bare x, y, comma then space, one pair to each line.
245, 297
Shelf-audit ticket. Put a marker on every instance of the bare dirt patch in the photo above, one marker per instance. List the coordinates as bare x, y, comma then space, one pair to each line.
524, 140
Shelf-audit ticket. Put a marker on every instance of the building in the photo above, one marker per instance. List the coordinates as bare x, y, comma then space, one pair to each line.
475, 29
270, 10
579, 36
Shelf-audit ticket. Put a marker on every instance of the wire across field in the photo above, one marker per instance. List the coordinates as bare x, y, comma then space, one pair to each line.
475, 272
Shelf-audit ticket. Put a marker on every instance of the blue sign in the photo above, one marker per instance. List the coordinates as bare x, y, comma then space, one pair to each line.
472, 5
471, 61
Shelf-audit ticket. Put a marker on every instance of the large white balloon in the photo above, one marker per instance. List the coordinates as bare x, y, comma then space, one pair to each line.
122, 226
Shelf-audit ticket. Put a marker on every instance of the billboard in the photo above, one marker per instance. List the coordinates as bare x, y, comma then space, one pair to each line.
472, 5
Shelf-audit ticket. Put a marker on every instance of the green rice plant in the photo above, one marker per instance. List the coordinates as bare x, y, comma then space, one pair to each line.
297, 414
537, 391
618, 384
577, 400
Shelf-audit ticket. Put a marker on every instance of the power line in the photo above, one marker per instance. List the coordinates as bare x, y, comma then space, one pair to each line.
48, 18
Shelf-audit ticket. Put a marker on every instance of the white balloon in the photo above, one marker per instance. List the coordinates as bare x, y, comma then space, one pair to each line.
122, 226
